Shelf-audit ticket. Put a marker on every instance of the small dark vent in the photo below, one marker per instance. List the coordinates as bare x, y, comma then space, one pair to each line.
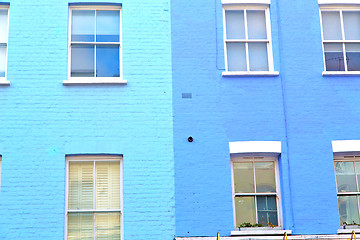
186, 95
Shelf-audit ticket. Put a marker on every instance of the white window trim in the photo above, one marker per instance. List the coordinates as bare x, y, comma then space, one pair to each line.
3, 80
248, 6
338, 6
246, 2
347, 157
260, 231
94, 80
346, 146
93, 157
246, 147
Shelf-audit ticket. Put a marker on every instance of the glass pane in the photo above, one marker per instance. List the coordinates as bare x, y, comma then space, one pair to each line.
334, 58
331, 25
81, 185
345, 176
256, 24
236, 56
82, 61
245, 210
107, 226
258, 57
107, 26
107, 185
107, 61
80, 226
235, 24
243, 177
83, 26
2, 60
348, 209
353, 56
267, 211
352, 25
357, 165
265, 177
3, 25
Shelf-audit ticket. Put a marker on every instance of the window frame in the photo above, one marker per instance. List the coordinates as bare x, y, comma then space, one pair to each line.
338, 8
257, 158
93, 158
3, 80
268, 40
95, 80
351, 157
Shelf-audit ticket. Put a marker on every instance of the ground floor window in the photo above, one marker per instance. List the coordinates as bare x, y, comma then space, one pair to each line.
255, 191
93, 207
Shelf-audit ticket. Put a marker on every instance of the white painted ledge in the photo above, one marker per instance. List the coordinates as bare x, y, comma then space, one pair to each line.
84, 81
246, 74
346, 146
299, 237
3, 81
260, 232
348, 231
339, 2
341, 73
245, 1
255, 147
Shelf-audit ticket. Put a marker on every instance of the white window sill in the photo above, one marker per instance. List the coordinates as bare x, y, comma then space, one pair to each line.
3, 81
260, 232
348, 231
341, 73
245, 1
84, 81
338, 2
245, 74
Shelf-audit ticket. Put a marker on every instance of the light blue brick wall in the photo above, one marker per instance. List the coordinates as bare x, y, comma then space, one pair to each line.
42, 120
300, 108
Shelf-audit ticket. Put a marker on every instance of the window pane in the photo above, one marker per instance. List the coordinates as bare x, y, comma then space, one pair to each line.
353, 56
83, 26
235, 25
345, 176
258, 57
256, 24
348, 209
358, 174
107, 26
107, 226
243, 177
2, 60
236, 56
82, 61
334, 58
107, 61
107, 185
3, 25
265, 177
245, 210
80, 226
331, 25
267, 211
352, 25
81, 185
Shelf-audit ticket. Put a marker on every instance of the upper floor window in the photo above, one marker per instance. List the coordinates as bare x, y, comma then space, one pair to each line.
95, 44
255, 190
3, 40
347, 170
247, 37
341, 39
94, 197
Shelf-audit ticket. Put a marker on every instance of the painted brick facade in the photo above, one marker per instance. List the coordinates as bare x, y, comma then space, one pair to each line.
42, 120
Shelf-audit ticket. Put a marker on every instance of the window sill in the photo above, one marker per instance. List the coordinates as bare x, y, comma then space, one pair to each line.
3, 81
348, 231
340, 73
84, 81
259, 232
245, 74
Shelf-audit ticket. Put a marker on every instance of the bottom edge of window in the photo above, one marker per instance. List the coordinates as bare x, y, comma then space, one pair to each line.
260, 231
255, 73
93, 81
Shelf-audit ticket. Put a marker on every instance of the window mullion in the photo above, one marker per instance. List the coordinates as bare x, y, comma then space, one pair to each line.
356, 178
94, 198
343, 39
255, 197
95, 46
246, 43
